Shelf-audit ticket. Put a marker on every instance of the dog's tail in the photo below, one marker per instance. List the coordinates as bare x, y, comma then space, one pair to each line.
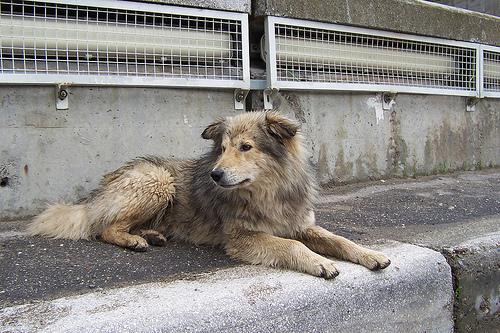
62, 220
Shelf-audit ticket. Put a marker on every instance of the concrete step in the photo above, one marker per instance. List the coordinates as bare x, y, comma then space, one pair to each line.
413, 295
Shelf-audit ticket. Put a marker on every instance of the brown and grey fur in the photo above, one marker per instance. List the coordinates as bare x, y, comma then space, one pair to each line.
253, 193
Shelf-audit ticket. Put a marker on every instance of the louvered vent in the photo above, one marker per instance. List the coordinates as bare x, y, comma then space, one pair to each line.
308, 55
120, 42
491, 71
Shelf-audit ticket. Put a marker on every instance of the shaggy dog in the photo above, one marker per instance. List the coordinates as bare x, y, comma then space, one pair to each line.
253, 193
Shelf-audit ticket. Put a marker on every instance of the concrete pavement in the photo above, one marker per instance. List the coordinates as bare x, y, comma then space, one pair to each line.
258, 299
441, 232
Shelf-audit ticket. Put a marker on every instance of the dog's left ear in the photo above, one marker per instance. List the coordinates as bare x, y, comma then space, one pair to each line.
214, 131
281, 127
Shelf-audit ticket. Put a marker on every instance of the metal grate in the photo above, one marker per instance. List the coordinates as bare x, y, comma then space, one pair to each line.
121, 42
491, 71
328, 56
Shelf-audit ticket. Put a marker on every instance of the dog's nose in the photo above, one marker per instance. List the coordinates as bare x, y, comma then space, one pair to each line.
217, 175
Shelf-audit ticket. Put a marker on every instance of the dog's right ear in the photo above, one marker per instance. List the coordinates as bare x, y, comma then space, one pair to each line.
214, 131
280, 127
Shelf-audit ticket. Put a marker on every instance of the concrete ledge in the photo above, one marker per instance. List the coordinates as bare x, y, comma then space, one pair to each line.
408, 16
413, 295
231, 5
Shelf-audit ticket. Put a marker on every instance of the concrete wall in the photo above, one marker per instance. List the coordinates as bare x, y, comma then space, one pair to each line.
228, 5
352, 138
410, 16
48, 155
491, 7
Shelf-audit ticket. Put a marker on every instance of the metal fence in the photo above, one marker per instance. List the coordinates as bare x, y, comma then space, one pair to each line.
313, 55
118, 42
130, 43
491, 71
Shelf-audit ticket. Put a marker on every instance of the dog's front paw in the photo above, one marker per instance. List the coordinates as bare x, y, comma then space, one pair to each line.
374, 260
329, 271
324, 268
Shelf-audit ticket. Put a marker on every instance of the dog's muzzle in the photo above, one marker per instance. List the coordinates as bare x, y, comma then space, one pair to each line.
227, 179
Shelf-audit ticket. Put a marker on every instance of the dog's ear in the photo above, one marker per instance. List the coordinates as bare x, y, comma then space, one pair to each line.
214, 131
281, 127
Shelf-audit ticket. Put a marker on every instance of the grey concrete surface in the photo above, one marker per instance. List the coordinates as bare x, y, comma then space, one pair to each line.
257, 299
409, 16
352, 138
457, 215
484, 6
442, 233
229, 5
48, 155
476, 278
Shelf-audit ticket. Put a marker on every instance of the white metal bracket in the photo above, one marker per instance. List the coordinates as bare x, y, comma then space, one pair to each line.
62, 97
268, 95
240, 95
471, 104
388, 100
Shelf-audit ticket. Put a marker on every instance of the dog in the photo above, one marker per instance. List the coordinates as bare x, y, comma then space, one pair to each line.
252, 193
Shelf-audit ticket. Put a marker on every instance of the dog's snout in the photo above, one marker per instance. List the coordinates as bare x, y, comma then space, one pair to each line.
217, 175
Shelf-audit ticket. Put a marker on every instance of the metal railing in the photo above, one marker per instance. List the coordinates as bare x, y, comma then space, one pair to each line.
125, 43
313, 55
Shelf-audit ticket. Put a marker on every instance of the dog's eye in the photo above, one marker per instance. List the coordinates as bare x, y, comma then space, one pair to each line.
223, 149
245, 147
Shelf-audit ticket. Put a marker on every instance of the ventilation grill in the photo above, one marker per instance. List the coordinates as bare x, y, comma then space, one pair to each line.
122, 42
491, 71
336, 57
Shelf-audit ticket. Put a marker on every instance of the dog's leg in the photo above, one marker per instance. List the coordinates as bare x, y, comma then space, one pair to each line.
118, 234
261, 248
324, 242
130, 197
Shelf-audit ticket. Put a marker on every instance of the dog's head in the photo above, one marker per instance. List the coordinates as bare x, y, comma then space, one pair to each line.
252, 147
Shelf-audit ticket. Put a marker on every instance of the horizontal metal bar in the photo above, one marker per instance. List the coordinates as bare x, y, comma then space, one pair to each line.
137, 81
370, 87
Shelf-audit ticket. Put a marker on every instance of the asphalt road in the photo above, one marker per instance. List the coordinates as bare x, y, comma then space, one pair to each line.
403, 209
35, 269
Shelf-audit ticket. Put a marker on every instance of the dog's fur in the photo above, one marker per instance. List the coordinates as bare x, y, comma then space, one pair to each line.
253, 193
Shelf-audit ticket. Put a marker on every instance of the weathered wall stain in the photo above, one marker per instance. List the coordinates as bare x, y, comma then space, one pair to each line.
475, 140
349, 136
294, 103
66, 152
322, 164
420, 134
397, 151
